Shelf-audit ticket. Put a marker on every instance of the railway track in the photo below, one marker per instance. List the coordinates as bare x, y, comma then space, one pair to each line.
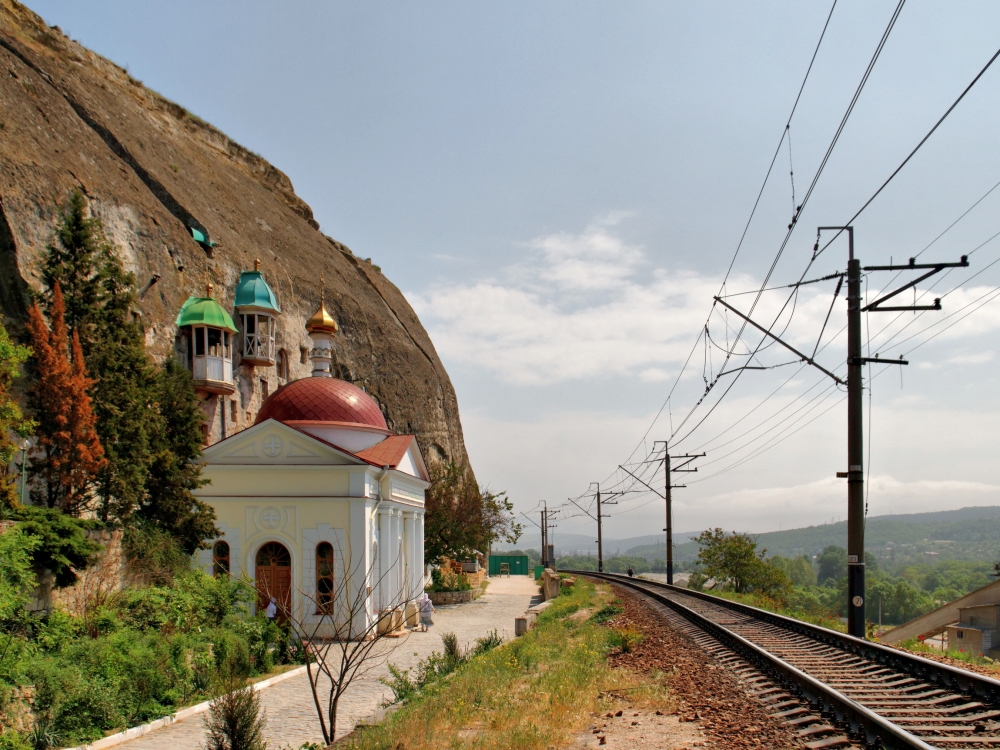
836, 690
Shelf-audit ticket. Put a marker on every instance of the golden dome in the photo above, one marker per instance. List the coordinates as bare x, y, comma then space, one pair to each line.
321, 321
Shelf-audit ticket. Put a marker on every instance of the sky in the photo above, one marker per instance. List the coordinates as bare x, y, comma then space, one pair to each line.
559, 189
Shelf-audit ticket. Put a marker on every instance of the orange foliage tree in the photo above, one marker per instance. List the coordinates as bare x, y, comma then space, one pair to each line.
71, 453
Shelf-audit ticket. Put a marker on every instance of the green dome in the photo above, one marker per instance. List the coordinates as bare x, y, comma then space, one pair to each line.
204, 311
253, 291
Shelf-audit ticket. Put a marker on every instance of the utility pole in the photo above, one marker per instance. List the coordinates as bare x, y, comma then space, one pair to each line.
667, 495
855, 474
600, 539
855, 450
547, 524
598, 517
542, 527
670, 514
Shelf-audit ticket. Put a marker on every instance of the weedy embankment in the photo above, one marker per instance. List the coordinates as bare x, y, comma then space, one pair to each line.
537, 691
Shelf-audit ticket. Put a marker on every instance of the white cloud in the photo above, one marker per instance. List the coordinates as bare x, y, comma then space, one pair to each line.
591, 305
972, 359
580, 306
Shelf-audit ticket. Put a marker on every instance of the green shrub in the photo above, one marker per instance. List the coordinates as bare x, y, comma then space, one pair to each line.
625, 638
265, 641
61, 542
235, 721
232, 654
487, 643
153, 555
607, 612
445, 579
54, 630
17, 579
399, 683
11, 740
451, 648
142, 608
86, 713
42, 736
145, 653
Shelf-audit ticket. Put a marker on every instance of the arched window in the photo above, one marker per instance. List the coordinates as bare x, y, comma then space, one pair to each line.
220, 559
283, 364
324, 578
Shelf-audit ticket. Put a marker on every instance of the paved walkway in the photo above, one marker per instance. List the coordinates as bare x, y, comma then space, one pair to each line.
291, 714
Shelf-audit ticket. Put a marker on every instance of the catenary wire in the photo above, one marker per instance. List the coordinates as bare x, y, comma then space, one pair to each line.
746, 228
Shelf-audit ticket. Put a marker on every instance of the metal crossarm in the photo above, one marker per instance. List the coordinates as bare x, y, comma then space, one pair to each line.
805, 357
936, 268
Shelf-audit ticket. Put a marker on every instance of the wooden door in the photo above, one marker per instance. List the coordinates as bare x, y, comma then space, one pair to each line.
274, 578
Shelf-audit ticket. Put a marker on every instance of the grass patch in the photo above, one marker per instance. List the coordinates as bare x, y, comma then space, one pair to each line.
828, 621
607, 612
918, 647
531, 693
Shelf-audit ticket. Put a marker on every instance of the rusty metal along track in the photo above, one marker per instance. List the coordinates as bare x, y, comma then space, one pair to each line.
883, 697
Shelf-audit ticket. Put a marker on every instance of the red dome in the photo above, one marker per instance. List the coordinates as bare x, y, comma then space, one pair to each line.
322, 400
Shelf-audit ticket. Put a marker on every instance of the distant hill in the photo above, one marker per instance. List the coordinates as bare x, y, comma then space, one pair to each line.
585, 543
963, 534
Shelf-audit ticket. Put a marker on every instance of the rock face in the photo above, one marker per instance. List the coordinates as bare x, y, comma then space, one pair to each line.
151, 170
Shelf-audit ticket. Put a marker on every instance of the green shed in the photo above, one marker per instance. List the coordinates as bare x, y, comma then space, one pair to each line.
518, 564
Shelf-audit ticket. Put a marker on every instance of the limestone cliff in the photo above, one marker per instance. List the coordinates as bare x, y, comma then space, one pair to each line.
151, 170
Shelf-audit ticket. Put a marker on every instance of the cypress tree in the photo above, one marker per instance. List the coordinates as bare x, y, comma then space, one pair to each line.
71, 453
100, 296
175, 472
148, 419
73, 262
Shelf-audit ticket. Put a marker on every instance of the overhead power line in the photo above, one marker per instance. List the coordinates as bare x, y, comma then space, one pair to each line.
914, 151
753, 212
791, 228
817, 251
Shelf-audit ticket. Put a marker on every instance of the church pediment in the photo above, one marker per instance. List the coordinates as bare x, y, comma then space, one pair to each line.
272, 442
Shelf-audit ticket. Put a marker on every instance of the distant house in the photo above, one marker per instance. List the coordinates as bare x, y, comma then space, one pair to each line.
976, 630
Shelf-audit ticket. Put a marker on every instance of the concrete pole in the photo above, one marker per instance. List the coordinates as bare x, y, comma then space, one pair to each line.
600, 539
855, 451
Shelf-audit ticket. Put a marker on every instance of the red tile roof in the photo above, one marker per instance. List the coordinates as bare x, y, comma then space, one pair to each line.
389, 452
322, 400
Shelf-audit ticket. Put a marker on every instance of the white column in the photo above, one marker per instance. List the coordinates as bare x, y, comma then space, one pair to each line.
384, 557
418, 550
359, 566
409, 541
397, 557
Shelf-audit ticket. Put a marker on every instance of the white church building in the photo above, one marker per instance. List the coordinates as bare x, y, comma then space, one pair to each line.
318, 502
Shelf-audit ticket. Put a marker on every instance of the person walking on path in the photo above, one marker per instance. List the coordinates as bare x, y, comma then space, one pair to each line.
631, 572
272, 609
426, 610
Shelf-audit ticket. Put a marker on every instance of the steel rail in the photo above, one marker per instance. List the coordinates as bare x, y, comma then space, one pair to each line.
876, 730
940, 674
